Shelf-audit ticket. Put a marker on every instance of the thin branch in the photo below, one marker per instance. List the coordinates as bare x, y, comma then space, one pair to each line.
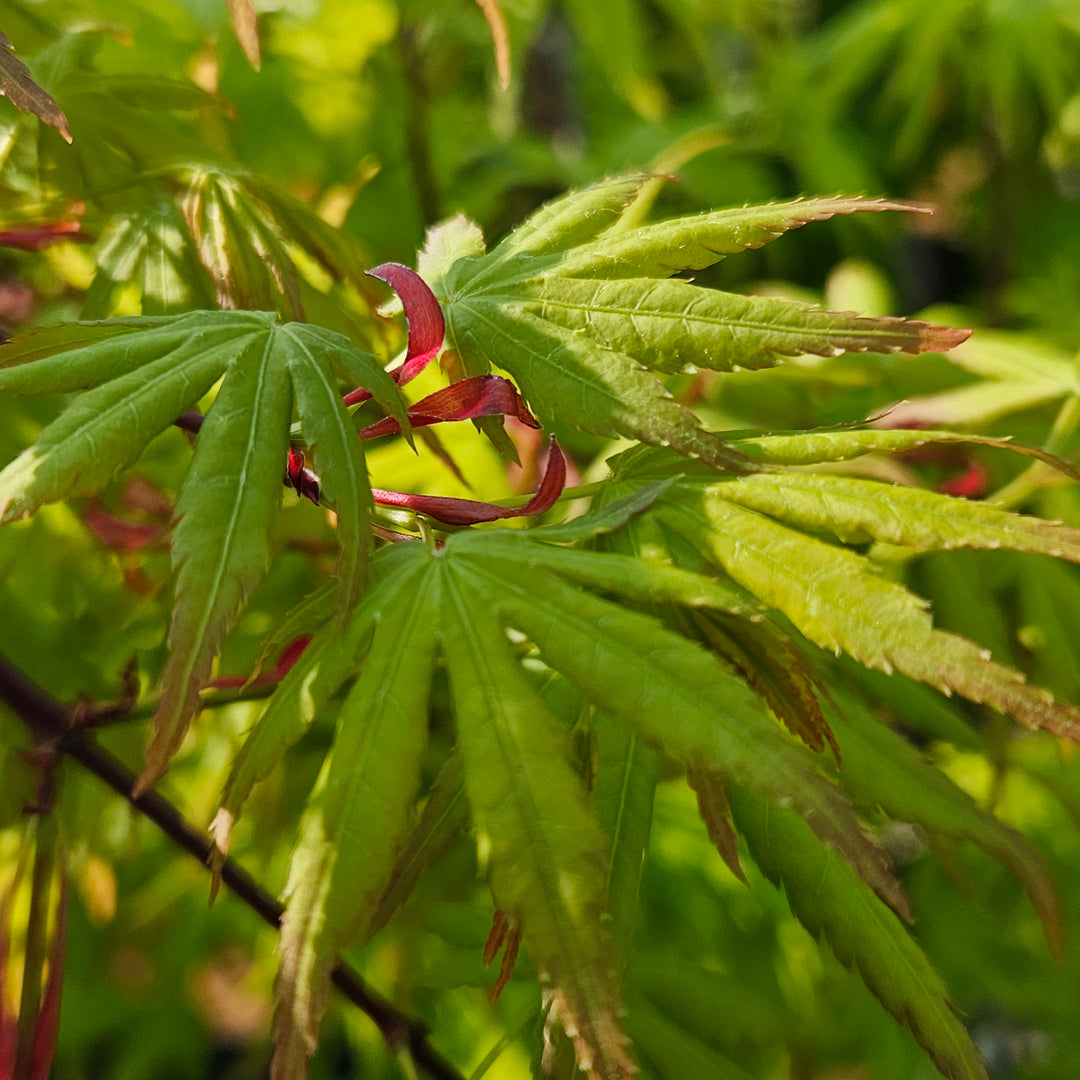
213, 698
52, 724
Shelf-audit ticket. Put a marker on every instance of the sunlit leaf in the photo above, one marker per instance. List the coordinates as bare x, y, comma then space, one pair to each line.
572, 313
829, 900
838, 600
353, 822
854, 509
144, 373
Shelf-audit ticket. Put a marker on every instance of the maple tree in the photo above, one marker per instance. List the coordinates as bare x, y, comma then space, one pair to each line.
714, 609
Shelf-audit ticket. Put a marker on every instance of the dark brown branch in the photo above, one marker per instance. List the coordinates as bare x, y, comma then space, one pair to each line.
52, 724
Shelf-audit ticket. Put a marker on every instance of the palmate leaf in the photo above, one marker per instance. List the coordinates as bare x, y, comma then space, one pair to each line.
354, 821
544, 851
141, 374
220, 236
577, 316
544, 855
900, 52
836, 597
152, 248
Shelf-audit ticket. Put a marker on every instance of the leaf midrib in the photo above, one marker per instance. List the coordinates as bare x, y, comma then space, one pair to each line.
228, 540
874, 330
538, 843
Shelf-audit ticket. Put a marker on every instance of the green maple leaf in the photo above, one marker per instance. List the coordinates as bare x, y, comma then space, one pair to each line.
672, 661
579, 315
751, 528
220, 236
543, 852
138, 376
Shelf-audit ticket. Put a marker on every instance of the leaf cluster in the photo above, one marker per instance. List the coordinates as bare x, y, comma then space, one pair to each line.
515, 705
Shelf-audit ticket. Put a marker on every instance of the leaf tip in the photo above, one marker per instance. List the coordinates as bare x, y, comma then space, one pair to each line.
221, 834
427, 327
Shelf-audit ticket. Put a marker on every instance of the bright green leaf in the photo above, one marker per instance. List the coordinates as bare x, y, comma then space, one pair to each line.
354, 821
854, 509
837, 599
675, 325
534, 830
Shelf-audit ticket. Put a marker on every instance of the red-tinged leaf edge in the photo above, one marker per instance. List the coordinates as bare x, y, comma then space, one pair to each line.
716, 814
424, 318
479, 395
470, 512
504, 931
18, 86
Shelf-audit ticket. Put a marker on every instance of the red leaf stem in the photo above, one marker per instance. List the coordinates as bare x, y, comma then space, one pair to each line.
470, 512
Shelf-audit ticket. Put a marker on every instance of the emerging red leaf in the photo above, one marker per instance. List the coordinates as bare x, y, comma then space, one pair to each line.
481, 395
424, 317
470, 512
